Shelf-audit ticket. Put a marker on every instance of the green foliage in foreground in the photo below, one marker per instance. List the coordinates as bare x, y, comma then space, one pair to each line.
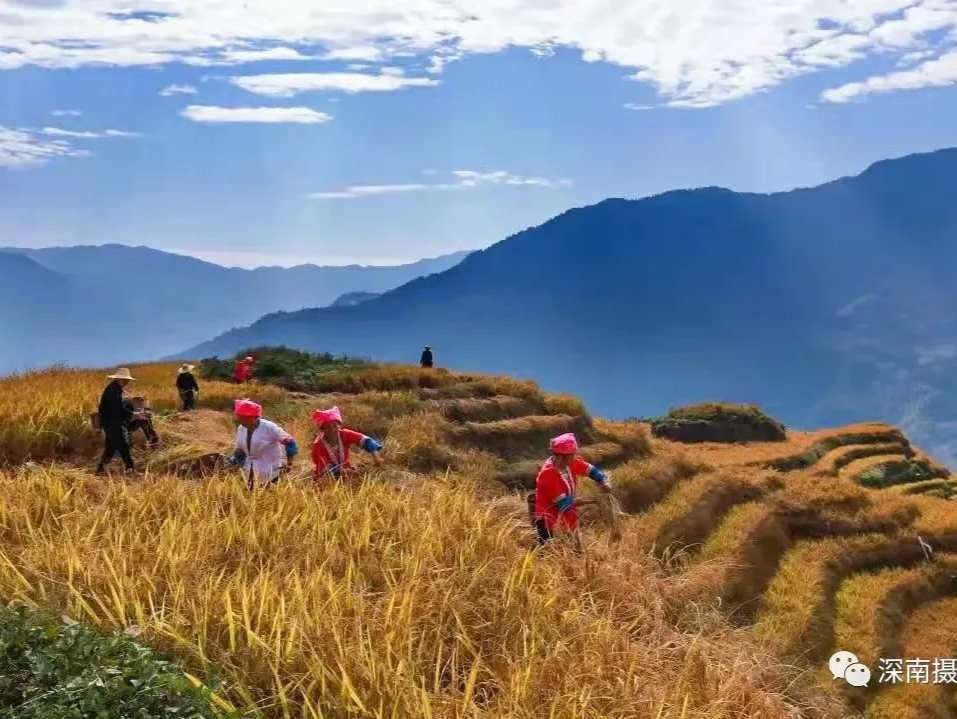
281, 363
59, 670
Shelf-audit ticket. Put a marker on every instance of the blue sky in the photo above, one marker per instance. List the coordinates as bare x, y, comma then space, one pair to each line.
276, 132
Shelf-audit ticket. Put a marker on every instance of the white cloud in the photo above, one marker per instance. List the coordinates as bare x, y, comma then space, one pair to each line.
635, 106
933, 73
460, 180
26, 148
471, 178
66, 113
85, 134
120, 133
369, 53
290, 84
178, 90
243, 56
942, 354
855, 304
370, 190
700, 55
214, 114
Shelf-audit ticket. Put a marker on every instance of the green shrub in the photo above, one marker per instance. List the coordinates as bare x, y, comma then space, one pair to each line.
280, 363
719, 422
70, 671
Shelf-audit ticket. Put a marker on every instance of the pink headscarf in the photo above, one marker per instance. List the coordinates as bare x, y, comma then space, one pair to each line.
247, 408
564, 444
323, 417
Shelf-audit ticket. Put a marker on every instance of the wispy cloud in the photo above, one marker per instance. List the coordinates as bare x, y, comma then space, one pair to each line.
250, 55
369, 53
85, 134
634, 106
855, 304
933, 73
936, 355
27, 148
296, 115
291, 84
66, 113
178, 90
471, 178
693, 59
458, 180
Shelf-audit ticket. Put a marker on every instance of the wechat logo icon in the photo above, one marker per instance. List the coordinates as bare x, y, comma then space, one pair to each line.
845, 665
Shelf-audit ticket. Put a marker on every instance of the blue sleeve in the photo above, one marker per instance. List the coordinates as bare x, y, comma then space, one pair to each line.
370, 445
292, 449
597, 475
564, 504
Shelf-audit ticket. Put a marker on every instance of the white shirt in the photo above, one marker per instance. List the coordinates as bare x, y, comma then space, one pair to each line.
266, 455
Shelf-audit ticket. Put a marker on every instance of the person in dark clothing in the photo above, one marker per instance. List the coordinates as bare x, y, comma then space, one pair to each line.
427, 356
142, 418
115, 415
187, 386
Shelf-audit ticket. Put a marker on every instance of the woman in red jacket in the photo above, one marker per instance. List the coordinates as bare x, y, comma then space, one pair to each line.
556, 486
330, 451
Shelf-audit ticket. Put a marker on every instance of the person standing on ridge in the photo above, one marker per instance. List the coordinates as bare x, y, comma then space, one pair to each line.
556, 487
426, 359
187, 386
260, 445
330, 450
115, 415
243, 371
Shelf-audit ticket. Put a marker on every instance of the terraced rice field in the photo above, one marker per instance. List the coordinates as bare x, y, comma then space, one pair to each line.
840, 539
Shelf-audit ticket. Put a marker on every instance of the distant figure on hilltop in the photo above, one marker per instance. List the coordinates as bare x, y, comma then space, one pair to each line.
330, 451
427, 356
187, 386
115, 416
244, 370
556, 487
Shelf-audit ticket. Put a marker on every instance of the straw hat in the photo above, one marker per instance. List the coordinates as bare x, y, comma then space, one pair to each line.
186, 368
121, 373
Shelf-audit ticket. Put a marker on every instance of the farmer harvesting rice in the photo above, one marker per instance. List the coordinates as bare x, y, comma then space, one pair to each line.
187, 387
260, 444
556, 485
115, 415
330, 451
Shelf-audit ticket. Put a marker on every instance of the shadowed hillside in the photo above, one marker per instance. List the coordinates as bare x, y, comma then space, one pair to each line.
827, 305
719, 587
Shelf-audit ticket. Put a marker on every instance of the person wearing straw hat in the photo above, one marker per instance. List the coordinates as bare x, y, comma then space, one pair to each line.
260, 445
187, 386
330, 451
556, 487
115, 415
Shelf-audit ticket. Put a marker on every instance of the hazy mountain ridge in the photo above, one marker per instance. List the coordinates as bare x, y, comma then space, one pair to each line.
112, 303
638, 305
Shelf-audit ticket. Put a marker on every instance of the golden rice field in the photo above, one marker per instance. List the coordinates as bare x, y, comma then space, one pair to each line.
734, 573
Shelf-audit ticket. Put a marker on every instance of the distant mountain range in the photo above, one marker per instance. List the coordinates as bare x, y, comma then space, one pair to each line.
351, 299
826, 305
111, 303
